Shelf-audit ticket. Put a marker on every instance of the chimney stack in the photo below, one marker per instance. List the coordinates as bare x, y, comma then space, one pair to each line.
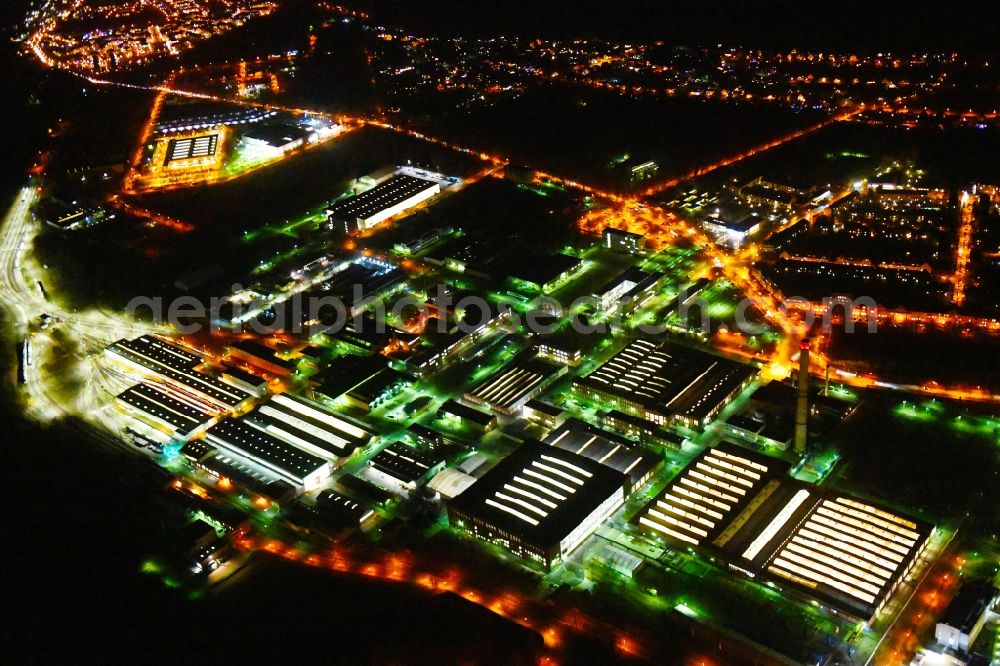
802, 401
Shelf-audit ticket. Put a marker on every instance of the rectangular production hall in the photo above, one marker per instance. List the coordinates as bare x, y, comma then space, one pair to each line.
744, 509
171, 411
506, 392
169, 363
666, 383
611, 450
392, 196
539, 503
302, 469
192, 148
310, 426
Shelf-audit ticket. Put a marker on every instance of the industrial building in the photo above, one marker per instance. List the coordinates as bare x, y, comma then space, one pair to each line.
966, 615
544, 274
771, 432
192, 148
423, 241
477, 325
244, 439
262, 357
256, 386
712, 490
539, 503
628, 292
185, 116
744, 509
239, 471
402, 467
651, 435
451, 482
543, 413
508, 390
347, 372
377, 390
613, 451
338, 508
567, 346
360, 283
616, 239
169, 363
71, 215
666, 383
424, 436
168, 410
311, 427
390, 197
732, 233
273, 140
467, 416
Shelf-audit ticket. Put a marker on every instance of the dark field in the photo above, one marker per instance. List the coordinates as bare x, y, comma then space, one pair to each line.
935, 467
590, 129
846, 152
334, 77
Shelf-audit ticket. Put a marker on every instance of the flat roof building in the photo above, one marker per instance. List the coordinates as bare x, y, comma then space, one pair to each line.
960, 624
239, 471
508, 390
544, 274
649, 434
346, 372
261, 357
451, 482
732, 233
402, 466
273, 140
337, 508
192, 148
539, 502
167, 409
467, 415
629, 291
743, 508
162, 360
567, 346
666, 383
613, 451
311, 427
242, 437
256, 386
392, 196
187, 116
616, 239
541, 412
421, 434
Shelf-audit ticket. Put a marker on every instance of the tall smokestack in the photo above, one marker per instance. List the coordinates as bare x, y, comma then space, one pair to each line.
802, 402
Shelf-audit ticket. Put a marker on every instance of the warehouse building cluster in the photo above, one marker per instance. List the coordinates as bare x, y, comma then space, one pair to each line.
744, 509
285, 440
